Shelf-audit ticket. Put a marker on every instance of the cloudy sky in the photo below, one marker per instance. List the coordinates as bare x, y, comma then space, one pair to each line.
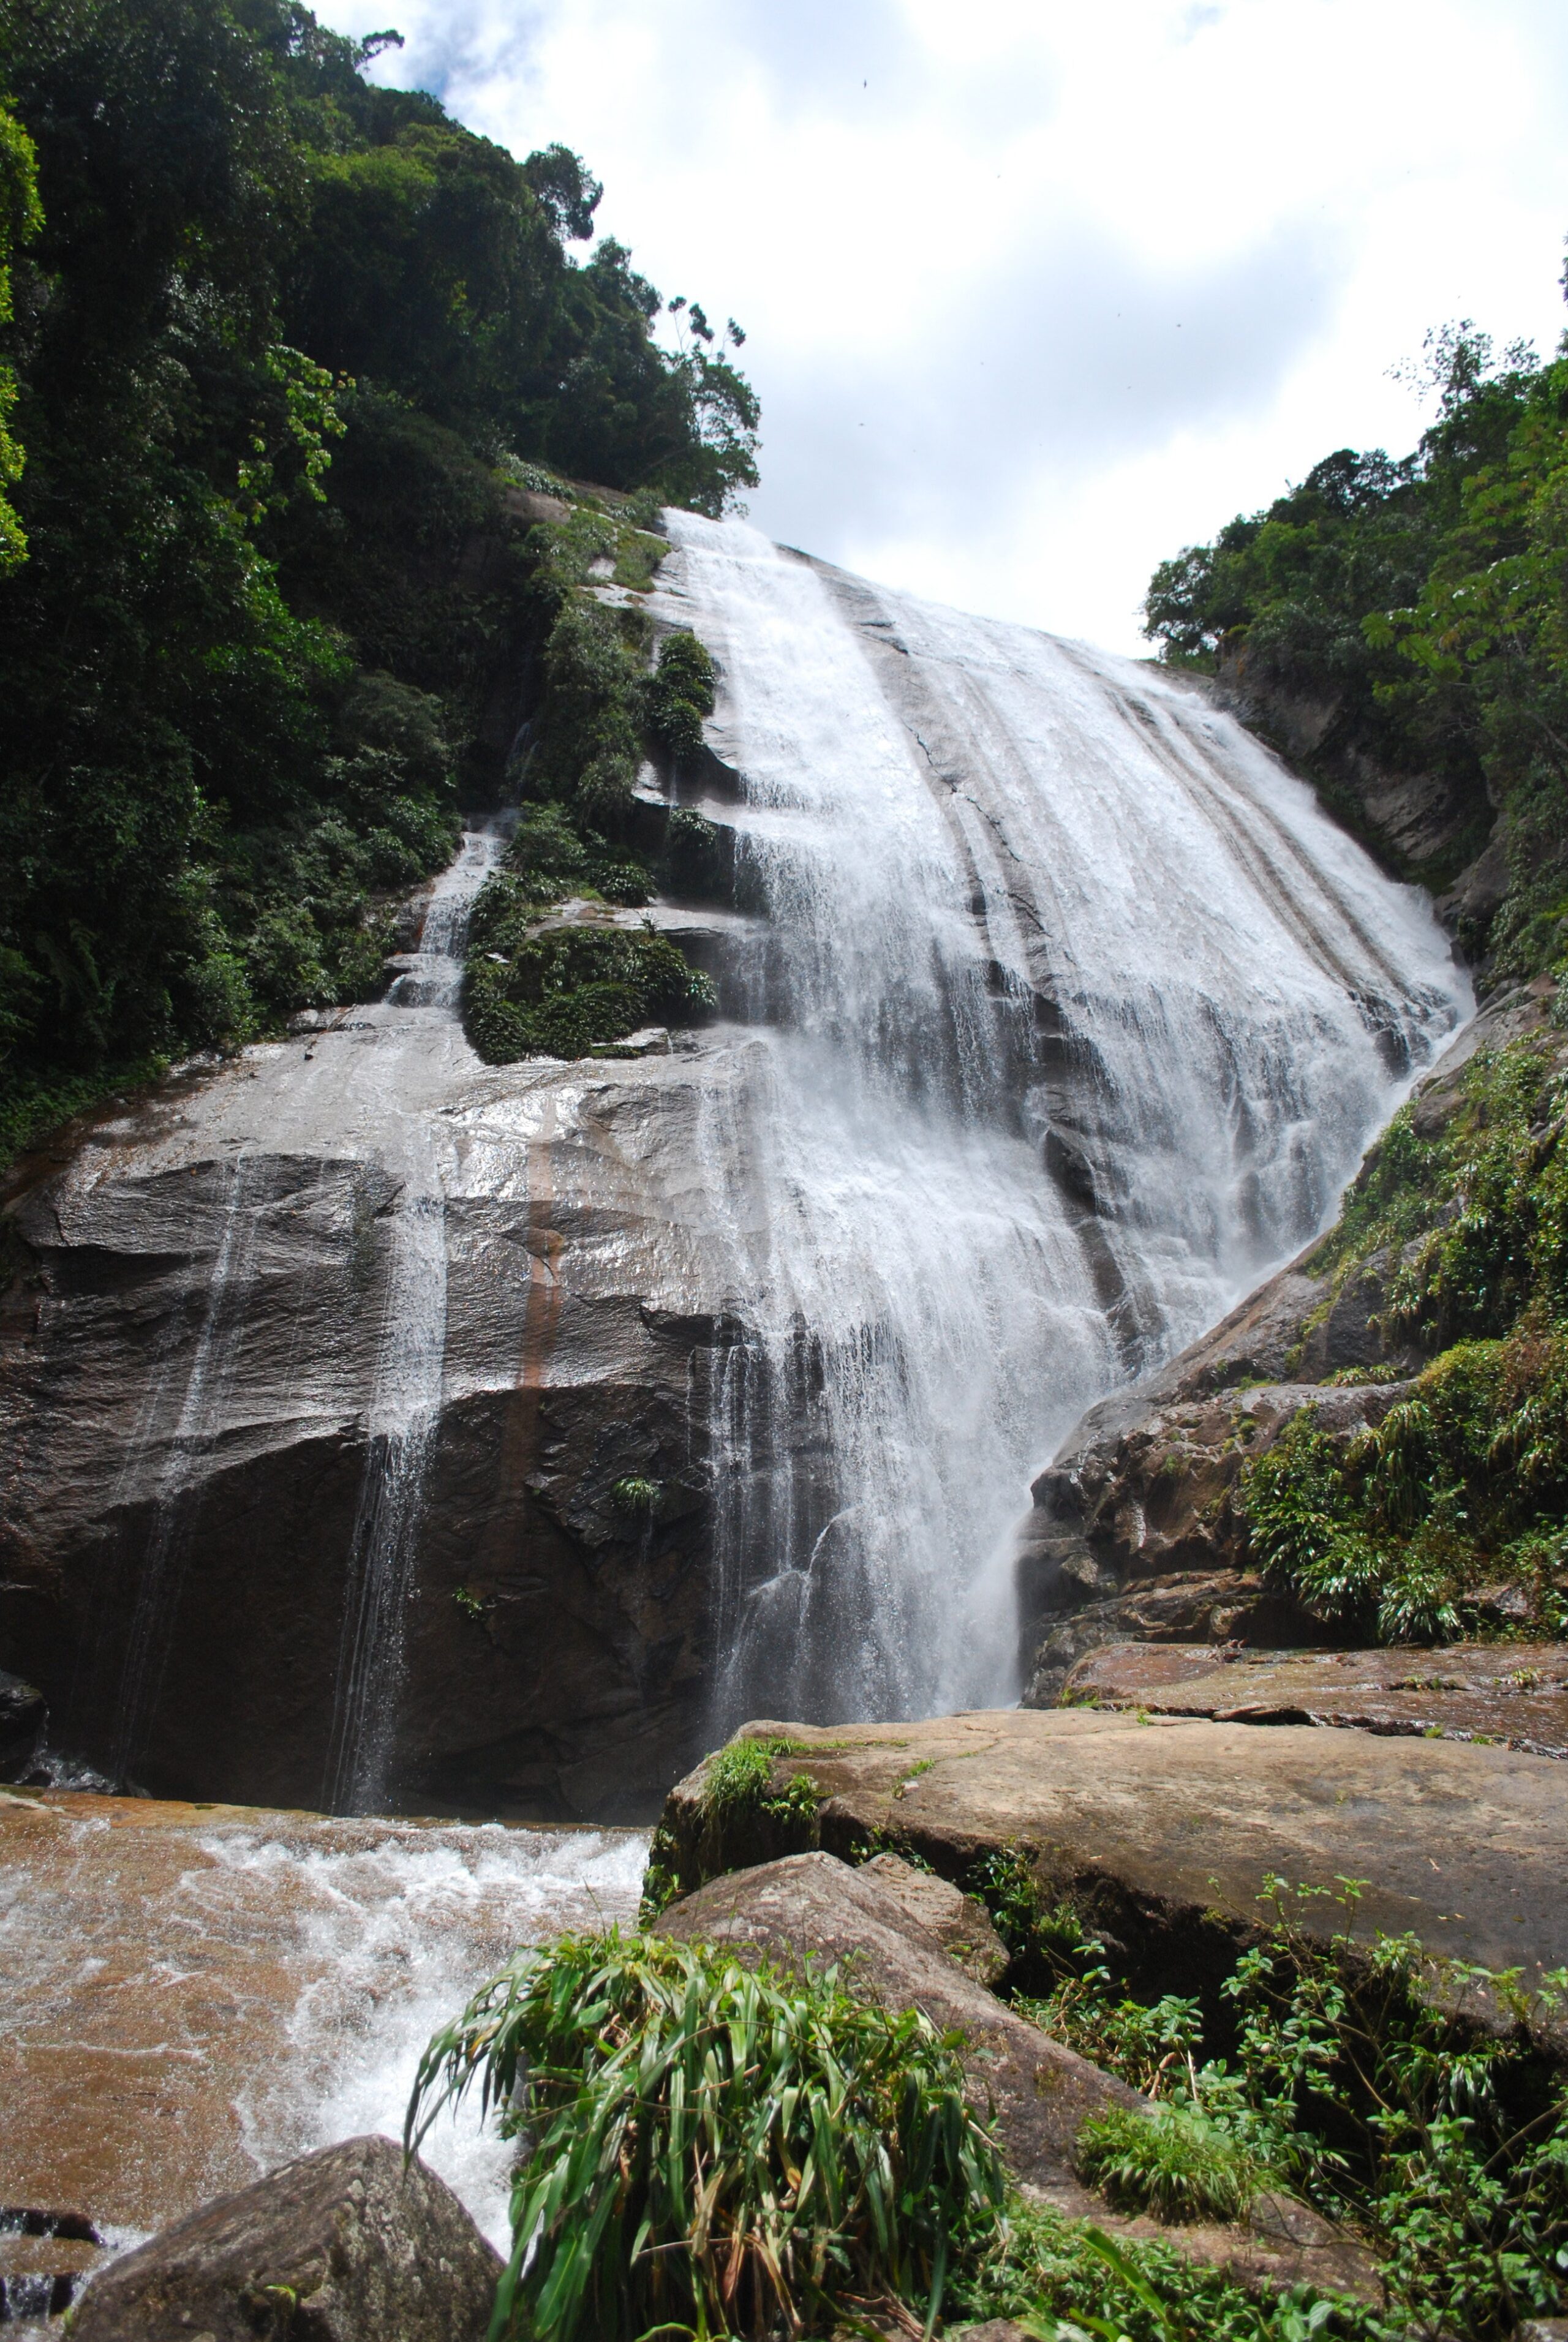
1038, 292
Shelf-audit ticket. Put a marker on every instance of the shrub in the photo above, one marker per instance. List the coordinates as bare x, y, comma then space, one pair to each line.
681, 694
710, 2147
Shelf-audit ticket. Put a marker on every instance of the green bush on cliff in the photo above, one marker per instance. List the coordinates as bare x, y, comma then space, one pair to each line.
1393, 1530
570, 989
713, 2148
1414, 611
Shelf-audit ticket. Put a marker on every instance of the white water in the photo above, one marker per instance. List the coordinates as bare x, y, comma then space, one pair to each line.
945, 817
188, 2002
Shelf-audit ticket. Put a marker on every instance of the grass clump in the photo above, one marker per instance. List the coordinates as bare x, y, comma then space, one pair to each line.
712, 2149
1175, 2163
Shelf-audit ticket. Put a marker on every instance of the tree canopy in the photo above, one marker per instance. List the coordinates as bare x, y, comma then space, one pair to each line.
278, 345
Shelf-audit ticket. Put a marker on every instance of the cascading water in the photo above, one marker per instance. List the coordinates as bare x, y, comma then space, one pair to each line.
1073, 1013
168, 1536
405, 1402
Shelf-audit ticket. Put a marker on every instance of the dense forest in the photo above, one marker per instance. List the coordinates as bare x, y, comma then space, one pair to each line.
285, 355
1401, 627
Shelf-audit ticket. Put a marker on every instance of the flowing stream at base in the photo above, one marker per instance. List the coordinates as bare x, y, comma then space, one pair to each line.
190, 1997
1073, 1013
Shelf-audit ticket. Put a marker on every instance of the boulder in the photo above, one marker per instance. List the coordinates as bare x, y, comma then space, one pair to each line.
814, 1906
347, 2244
1514, 1694
1165, 1829
1039, 2094
959, 1923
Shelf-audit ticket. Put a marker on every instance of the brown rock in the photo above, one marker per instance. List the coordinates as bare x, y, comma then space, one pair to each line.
345, 2245
1164, 1831
812, 1907
959, 1923
1512, 1694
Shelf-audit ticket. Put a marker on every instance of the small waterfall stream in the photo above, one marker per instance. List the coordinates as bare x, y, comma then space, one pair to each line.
1073, 1013
405, 1402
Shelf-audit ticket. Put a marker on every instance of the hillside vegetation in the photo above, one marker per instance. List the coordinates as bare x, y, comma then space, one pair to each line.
286, 359
1401, 628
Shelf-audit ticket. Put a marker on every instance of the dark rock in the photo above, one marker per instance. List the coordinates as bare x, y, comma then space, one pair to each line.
812, 1907
23, 1718
1224, 1605
343, 2246
1513, 1694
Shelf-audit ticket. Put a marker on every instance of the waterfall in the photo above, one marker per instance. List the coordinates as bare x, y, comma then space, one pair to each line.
168, 1535
1070, 1016
406, 1399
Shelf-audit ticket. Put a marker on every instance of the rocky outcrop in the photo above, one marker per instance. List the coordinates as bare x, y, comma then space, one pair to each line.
210, 1299
1163, 1830
1133, 1535
1508, 1694
1036, 2093
348, 2245
1419, 823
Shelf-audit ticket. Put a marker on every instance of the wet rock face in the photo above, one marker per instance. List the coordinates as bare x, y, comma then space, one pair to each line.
205, 1315
1133, 1536
343, 2246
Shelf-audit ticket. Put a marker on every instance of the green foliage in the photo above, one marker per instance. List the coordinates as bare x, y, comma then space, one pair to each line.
1067, 2281
634, 1496
1419, 606
279, 345
681, 694
738, 1784
561, 992
1464, 1480
21, 216
1442, 2141
722, 2149
1175, 2163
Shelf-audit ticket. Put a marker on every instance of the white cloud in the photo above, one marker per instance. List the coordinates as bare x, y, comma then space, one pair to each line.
1037, 292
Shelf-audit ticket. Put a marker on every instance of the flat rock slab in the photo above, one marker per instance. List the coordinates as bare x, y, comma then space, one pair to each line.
187, 1991
1513, 1694
343, 2246
1170, 1826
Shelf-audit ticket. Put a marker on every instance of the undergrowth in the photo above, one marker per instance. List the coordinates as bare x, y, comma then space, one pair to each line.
711, 2148
1441, 2138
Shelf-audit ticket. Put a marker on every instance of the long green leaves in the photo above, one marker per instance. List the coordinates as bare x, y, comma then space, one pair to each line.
709, 2146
